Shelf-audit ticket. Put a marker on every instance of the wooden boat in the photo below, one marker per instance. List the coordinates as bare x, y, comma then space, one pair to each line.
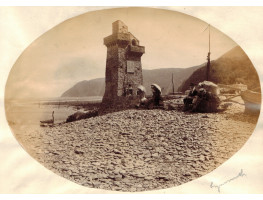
252, 101
47, 122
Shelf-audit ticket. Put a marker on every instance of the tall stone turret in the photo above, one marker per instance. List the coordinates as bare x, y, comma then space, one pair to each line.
123, 67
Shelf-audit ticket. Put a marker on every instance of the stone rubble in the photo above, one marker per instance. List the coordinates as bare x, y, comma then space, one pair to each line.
139, 150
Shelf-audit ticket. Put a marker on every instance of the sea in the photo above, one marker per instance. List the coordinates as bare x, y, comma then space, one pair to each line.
32, 111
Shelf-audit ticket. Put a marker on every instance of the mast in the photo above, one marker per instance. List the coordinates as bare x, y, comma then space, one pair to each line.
173, 82
208, 57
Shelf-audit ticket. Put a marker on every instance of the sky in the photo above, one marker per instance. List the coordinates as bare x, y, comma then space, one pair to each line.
20, 173
73, 50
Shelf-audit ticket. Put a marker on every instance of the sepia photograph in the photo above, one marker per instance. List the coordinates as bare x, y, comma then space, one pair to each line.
133, 99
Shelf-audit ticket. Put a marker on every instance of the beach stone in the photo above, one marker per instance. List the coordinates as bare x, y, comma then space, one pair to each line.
168, 157
187, 174
127, 150
118, 177
147, 159
184, 138
155, 155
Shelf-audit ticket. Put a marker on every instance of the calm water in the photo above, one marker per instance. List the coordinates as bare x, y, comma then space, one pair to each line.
31, 112
69, 99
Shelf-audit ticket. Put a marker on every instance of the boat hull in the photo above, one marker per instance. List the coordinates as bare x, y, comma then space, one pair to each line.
252, 101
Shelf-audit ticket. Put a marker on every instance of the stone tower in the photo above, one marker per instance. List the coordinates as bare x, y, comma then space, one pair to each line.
123, 67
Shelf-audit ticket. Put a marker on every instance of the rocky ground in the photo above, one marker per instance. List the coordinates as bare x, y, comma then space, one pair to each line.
138, 150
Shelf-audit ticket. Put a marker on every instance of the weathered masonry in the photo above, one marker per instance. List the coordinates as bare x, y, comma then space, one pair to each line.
123, 67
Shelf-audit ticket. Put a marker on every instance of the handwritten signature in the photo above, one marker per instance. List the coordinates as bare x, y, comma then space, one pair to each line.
240, 174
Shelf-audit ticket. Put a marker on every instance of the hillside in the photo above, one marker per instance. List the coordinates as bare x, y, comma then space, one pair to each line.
162, 77
234, 66
94, 87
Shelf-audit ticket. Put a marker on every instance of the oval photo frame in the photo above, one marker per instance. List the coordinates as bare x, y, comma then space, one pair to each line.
178, 99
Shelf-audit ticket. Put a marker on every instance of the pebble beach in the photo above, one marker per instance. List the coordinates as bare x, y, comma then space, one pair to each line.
139, 150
